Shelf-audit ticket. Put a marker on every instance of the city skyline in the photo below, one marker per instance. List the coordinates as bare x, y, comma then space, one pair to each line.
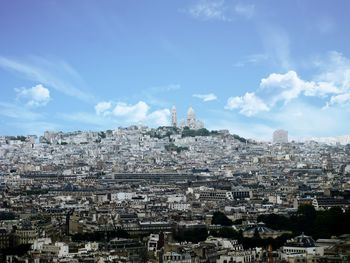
242, 65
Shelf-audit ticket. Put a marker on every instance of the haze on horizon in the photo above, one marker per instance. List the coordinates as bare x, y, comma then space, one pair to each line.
248, 66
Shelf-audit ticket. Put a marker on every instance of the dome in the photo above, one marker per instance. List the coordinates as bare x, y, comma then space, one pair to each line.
302, 241
260, 228
190, 111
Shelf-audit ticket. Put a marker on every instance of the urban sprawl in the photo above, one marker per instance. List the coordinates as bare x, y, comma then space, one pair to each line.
179, 193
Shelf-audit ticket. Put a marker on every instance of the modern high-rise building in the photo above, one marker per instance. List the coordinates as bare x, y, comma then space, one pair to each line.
173, 116
280, 136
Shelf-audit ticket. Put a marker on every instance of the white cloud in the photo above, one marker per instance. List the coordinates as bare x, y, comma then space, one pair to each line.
288, 86
159, 117
102, 108
206, 97
341, 99
298, 114
125, 114
335, 69
36, 96
209, 10
57, 75
134, 113
220, 10
249, 104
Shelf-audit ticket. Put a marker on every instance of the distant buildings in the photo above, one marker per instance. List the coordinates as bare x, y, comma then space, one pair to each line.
280, 136
121, 186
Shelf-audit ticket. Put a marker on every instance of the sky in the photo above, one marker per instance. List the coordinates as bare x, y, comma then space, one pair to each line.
247, 66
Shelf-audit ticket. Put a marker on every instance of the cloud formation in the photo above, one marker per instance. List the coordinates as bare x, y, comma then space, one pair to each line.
220, 10
53, 74
316, 106
159, 117
288, 86
132, 113
206, 97
103, 107
209, 10
248, 104
35, 96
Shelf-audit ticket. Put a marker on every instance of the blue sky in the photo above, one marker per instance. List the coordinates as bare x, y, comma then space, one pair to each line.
247, 66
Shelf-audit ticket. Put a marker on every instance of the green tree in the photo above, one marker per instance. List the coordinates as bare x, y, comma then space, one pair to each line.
220, 218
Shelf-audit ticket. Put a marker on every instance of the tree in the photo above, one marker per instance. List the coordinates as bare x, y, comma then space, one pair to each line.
194, 235
220, 218
307, 211
226, 232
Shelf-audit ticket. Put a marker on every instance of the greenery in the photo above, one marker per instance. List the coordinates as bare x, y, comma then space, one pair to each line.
100, 235
17, 138
238, 222
201, 234
102, 135
194, 235
172, 148
220, 218
226, 232
318, 224
163, 132
256, 241
21, 138
187, 132
241, 139
43, 219
19, 250
7, 216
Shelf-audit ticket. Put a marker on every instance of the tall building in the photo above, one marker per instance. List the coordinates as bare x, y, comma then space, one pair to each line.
280, 136
173, 117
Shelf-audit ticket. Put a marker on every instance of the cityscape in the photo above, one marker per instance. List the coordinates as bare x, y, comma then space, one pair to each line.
190, 131
173, 194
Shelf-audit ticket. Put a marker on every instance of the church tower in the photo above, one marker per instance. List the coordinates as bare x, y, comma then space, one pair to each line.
173, 117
